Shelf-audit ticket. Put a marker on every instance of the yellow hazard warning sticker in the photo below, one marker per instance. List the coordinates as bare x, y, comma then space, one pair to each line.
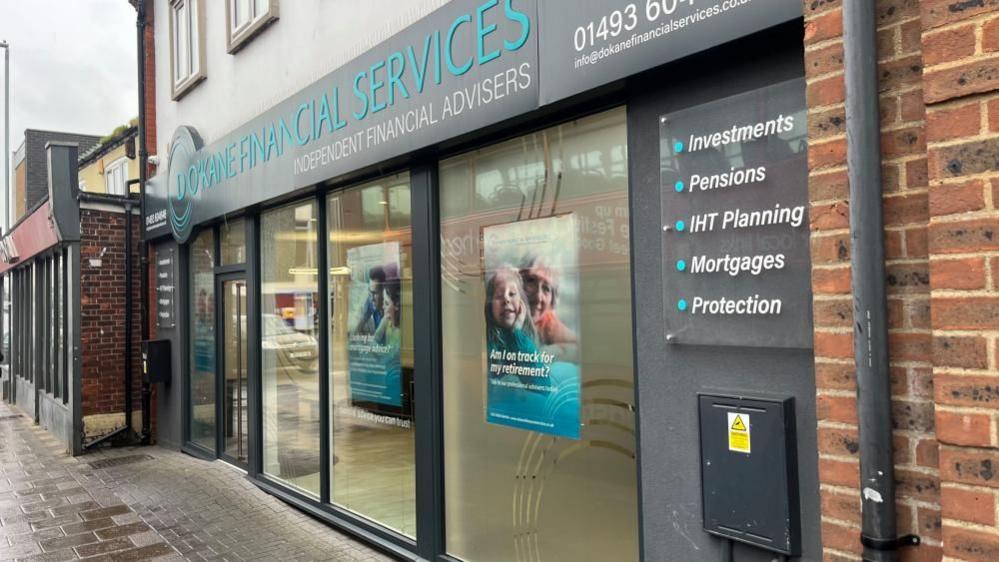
738, 432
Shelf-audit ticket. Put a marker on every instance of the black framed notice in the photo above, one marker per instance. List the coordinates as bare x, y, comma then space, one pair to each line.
734, 181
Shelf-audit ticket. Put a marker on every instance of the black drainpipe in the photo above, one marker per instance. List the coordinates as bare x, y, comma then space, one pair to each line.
140, 26
867, 260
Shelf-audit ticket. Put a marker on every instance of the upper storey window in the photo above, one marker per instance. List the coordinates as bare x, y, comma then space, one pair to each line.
187, 58
246, 18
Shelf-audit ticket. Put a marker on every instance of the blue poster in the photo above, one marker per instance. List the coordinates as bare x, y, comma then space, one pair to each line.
375, 333
531, 319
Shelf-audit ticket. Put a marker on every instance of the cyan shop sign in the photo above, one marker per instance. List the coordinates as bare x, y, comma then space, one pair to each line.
600, 41
467, 65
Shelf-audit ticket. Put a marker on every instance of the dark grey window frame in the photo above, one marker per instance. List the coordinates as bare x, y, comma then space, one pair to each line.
430, 543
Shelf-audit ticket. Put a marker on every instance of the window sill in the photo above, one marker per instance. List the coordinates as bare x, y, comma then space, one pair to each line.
182, 89
237, 41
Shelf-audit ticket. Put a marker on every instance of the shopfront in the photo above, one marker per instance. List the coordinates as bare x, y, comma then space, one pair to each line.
462, 296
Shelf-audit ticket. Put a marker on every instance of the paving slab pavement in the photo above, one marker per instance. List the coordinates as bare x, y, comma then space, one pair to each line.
145, 503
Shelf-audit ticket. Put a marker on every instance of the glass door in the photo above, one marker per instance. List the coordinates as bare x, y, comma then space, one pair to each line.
235, 390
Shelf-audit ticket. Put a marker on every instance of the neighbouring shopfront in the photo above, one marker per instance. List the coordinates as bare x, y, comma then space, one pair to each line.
65, 264
478, 294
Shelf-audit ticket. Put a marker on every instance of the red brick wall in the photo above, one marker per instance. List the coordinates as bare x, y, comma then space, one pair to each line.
939, 73
150, 71
961, 83
906, 214
102, 312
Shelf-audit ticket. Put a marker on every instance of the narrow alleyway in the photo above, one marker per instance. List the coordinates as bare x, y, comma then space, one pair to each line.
144, 503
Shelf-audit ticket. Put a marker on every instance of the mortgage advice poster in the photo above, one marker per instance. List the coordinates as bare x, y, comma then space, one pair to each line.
375, 334
531, 319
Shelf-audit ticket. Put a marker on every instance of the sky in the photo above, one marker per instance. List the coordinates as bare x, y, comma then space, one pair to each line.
73, 66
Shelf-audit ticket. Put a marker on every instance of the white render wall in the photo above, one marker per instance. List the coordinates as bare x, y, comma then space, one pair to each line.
310, 39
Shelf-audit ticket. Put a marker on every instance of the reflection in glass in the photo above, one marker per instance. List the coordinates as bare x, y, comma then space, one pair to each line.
512, 493
235, 421
371, 352
289, 341
232, 242
202, 387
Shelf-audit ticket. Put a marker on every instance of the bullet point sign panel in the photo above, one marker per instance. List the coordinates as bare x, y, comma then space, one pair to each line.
166, 288
734, 192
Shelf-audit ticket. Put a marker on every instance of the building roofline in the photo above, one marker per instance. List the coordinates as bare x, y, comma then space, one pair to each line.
61, 132
103, 148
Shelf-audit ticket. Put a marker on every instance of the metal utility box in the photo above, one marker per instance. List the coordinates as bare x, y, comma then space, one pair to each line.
749, 478
156, 365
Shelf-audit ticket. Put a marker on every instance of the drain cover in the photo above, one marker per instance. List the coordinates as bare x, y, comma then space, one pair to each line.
118, 461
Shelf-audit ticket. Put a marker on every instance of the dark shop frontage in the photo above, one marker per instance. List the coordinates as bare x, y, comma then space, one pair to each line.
529, 281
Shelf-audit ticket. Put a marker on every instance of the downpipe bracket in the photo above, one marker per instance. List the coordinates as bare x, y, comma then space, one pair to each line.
889, 544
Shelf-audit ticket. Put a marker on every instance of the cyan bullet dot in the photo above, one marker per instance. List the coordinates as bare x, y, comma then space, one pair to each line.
682, 305
680, 226
678, 147
681, 265
679, 186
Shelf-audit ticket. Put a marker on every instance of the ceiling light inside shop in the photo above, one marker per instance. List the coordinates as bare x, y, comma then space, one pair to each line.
303, 271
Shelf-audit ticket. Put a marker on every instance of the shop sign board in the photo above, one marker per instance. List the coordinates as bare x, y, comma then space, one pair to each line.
469, 64
31, 236
589, 43
734, 192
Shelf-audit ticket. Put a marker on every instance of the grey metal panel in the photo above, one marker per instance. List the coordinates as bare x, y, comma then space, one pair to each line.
670, 377
75, 374
57, 418
169, 397
63, 187
25, 393
37, 332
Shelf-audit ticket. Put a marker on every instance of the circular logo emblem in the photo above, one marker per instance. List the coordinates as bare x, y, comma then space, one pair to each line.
182, 182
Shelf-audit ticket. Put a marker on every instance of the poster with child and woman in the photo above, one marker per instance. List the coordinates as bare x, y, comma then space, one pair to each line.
531, 315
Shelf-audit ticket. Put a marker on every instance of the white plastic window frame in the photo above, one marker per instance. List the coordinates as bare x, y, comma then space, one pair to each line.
187, 46
263, 13
111, 185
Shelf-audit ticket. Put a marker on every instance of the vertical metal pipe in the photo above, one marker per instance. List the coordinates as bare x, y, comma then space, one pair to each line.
867, 257
4, 281
6, 135
140, 25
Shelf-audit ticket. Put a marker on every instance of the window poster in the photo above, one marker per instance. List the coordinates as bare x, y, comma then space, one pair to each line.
532, 324
375, 334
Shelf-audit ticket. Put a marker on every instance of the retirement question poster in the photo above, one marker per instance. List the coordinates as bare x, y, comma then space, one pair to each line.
374, 336
532, 325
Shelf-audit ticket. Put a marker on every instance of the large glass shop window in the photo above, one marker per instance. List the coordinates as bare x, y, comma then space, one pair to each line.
539, 425
371, 352
290, 345
202, 381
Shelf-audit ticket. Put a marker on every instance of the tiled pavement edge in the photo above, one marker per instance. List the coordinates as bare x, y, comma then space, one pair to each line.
166, 507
